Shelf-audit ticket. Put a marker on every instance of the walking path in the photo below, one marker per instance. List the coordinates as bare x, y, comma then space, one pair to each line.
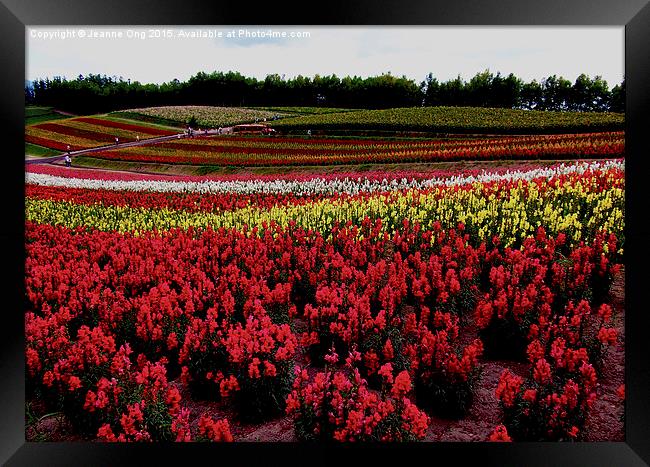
142, 142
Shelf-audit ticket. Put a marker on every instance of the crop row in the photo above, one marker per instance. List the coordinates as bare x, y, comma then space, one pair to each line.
304, 185
457, 120
86, 132
342, 145
372, 175
577, 203
222, 151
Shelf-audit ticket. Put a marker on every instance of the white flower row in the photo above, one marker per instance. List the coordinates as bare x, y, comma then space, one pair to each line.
315, 185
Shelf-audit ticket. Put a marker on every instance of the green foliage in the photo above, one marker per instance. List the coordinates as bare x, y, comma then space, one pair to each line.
445, 399
40, 151
307, 95
34, 114
458, 120
192, 122
294, 111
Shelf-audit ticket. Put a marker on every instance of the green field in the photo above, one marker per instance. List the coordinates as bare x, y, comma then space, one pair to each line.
304, 110
39, 151
149, 119
132, 119
456, 120
35, 114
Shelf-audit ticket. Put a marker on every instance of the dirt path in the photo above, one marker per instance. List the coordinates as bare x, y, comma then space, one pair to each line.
142, 142
67, 114
606, 420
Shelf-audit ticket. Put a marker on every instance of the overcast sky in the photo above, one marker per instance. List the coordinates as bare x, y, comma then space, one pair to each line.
145, 54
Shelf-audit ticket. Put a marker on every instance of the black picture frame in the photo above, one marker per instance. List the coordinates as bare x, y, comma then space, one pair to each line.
633, 14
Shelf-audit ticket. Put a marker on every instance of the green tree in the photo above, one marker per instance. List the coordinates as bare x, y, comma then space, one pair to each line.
617, 98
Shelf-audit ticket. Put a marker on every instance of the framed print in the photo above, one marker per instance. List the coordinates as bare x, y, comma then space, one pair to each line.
240, 233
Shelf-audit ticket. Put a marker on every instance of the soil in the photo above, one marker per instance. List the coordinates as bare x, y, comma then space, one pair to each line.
604, 423
606, 419
48, 426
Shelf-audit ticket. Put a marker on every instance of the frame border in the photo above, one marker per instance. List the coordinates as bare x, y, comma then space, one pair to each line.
633, 14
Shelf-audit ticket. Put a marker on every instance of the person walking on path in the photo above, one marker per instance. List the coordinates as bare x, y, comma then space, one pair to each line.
137, 138
117, 141
68, 149
68, 160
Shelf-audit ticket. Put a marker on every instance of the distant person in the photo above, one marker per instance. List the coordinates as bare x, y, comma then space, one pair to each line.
219, 131
68, 149
68, 160
117, 140
308, 132
137, 138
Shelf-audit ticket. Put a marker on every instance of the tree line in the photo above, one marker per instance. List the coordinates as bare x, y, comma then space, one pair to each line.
100, 93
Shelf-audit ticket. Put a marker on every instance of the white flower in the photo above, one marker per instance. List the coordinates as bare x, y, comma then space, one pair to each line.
316, 185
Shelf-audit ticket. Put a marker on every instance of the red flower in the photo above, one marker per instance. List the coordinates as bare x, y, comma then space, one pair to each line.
402, 384
215, 431
388, 350
542, 371
508, 388
74, 383
500, 434
386, 372
254, 368
332, 357
269, 369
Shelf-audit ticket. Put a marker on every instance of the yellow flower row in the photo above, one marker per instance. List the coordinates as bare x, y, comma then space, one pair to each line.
577, 209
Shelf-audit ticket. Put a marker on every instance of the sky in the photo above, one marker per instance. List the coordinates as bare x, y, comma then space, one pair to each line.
160, 54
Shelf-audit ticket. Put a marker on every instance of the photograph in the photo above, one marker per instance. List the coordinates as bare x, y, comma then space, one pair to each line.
355, 233
233, 234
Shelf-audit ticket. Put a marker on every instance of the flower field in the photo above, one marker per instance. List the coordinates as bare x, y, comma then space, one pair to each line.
457, 120
88, 132
276, 151
287, 111
207, 116
369, 306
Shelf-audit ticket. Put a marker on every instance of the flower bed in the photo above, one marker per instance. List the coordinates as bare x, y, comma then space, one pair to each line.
138, 300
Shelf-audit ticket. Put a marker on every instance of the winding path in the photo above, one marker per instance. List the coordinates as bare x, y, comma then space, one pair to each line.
142, 142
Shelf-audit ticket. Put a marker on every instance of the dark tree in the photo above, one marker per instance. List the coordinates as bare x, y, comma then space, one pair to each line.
617, 98
100, 93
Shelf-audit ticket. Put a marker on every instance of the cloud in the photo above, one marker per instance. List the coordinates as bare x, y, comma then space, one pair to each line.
530, 53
